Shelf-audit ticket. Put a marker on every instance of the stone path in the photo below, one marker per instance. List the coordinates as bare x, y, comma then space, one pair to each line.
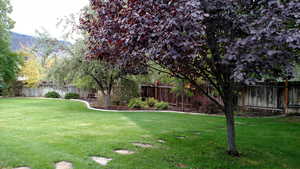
101, 160
63, 165
104, 160
181, 137
161, 141
143, 145
124, 152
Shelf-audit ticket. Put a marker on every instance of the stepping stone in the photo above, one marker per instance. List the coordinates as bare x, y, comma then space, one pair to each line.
124, 152
180, 137
181, 165
85, 124
101, 160
161, 141
146, 136
63, 165
22, 168
143, 145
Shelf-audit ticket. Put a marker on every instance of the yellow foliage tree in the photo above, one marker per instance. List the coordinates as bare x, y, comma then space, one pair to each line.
31, 69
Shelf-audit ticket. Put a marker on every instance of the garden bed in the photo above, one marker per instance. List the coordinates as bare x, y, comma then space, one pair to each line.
242, 113
171, 108
94, 103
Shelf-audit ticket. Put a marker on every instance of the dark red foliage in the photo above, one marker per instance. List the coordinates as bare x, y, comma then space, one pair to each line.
243, 39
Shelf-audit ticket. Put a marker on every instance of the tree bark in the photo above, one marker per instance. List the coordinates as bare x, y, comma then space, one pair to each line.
107, 101
228, 103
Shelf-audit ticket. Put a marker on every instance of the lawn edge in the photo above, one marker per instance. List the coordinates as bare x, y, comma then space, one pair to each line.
158, 111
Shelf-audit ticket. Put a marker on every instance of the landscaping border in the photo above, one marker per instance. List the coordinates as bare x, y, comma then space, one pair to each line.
166, 111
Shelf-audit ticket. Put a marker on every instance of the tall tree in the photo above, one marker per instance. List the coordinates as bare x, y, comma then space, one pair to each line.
6, 23
9, 62
47, 48
221, 42
102, 75
31, 69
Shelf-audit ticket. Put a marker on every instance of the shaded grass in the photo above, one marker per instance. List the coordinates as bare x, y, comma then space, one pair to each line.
40, 132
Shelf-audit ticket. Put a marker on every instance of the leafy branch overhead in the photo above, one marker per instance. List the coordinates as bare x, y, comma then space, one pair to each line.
250, 38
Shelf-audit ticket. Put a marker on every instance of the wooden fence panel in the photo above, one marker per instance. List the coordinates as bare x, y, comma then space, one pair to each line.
294, 96
42, 90
261, 96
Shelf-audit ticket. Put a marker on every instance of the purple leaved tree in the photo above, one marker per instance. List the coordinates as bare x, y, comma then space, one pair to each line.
221, 42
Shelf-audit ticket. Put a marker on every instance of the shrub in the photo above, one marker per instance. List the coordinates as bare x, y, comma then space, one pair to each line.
125, 91
72, 96
151, 102
116, 102
52, 94
212, 108
162, 105
136, 103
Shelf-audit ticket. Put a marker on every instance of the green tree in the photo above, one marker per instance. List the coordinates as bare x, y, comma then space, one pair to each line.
9, 61
6, 23
93, 73
46, 48
31, 69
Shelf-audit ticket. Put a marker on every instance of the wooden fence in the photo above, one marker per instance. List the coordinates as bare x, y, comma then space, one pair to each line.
271, 96
181, 101
43, 89
263, 96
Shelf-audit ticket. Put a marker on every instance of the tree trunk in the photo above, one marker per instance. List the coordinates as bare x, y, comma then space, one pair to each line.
107, 101
232, 149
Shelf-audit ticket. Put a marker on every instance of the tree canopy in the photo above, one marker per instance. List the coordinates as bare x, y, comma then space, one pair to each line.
76, 69
31, 70
9, 61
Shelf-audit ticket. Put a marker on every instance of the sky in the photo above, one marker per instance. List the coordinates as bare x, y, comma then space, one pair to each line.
32, 15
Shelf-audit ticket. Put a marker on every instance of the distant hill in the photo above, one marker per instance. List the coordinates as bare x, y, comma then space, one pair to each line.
18, 41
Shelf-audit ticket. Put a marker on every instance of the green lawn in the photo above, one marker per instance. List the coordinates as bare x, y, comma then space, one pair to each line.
39, 132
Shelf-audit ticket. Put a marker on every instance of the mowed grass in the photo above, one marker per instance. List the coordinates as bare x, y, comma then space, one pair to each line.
38, 133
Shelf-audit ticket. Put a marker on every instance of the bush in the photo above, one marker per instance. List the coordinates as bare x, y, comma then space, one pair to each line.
212, 108
151, 102
72, 96
162, 105
136, 103
125, 91
52, 94
116, 102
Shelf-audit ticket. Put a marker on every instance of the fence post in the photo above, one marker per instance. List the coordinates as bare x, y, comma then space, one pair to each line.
286, 96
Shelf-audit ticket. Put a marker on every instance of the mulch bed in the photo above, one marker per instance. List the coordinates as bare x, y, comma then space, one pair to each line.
93, 103
171, 108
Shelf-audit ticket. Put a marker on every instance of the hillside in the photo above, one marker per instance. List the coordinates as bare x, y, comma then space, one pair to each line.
18, 41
